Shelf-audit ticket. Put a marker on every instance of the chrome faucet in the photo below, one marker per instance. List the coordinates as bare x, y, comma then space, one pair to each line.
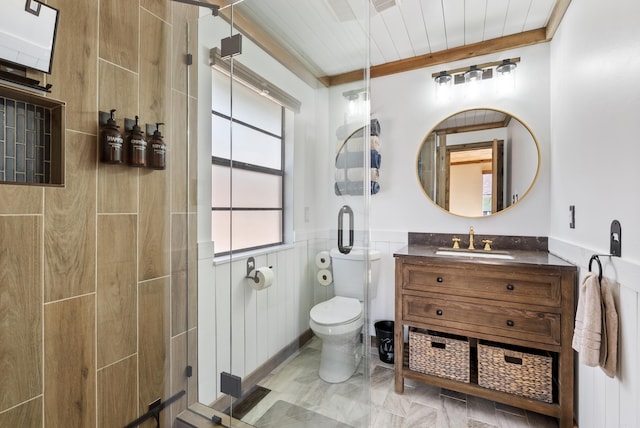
471, 246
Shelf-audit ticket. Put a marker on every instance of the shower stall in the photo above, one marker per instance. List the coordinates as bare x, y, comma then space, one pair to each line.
264, 136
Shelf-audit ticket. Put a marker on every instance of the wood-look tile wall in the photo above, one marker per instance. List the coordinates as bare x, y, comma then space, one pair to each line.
95, 324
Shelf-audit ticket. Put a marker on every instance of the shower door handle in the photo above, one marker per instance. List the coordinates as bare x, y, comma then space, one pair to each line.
345, 249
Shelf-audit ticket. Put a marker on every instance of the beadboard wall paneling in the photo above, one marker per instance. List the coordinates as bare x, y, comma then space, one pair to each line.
21, 309
153, 342
117, 393
21, 199
70, 223
27, 415
117, 288
74, 73
70, 363
119, 31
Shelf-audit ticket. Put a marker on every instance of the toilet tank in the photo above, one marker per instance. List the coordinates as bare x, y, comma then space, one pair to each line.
349, 274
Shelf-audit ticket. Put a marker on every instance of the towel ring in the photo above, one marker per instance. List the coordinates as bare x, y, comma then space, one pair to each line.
597, 259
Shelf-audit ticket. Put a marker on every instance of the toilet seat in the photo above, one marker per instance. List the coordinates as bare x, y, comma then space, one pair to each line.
335, 311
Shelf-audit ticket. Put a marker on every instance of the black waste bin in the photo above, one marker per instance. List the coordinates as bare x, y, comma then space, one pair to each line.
384, 333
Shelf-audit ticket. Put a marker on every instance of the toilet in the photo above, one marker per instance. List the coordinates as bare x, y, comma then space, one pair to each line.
338, 321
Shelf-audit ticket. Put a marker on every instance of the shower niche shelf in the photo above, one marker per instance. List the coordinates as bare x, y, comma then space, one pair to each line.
32, 138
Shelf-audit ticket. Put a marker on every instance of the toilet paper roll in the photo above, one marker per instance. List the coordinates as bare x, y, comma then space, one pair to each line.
323, 260
261, 278
324, 277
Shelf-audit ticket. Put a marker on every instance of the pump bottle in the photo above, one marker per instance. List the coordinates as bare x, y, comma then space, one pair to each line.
157, 150
136, 147
111, 141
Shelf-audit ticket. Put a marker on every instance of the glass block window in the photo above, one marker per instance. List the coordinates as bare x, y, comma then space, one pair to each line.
25, 142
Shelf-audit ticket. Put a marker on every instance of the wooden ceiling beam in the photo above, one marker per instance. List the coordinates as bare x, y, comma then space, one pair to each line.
556, 17
527, 38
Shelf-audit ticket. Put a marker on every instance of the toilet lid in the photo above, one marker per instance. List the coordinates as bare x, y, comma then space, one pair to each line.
338, 310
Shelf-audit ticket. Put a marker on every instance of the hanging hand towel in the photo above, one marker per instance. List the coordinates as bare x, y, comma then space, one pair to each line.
609, 345
586, 335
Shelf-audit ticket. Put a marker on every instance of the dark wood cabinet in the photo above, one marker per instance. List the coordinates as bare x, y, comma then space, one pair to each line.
526, 302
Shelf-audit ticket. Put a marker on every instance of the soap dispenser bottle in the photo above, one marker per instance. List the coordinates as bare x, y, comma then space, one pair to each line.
111, 141
136, 147
157, 150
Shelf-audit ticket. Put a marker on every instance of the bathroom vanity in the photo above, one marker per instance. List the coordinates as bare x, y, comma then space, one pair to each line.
524, 298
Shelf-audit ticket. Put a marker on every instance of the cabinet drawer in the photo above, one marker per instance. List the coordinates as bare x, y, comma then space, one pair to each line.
507, 286
541, 327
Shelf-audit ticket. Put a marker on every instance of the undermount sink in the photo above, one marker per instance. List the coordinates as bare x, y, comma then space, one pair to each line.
474, 254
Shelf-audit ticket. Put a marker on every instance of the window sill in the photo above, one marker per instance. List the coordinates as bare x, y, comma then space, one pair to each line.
252, 253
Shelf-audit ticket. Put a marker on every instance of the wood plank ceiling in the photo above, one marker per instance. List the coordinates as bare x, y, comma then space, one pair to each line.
322, 40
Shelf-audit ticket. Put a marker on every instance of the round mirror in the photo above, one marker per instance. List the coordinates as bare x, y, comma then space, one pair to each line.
478, 162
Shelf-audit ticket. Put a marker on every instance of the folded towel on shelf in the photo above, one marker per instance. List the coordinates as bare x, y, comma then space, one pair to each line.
356, 159
588, 325
351, 129
356, 174
357, 144
355, 187
609, 343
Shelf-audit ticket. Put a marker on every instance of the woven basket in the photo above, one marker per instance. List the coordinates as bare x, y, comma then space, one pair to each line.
439, 354
515, 371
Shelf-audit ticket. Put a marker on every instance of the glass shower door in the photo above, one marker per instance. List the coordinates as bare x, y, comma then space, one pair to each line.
268, 202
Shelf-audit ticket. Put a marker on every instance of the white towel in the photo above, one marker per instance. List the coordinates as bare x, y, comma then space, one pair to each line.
588, 326
356, 174
356, 144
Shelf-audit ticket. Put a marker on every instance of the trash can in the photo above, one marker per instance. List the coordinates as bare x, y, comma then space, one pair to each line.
384, 333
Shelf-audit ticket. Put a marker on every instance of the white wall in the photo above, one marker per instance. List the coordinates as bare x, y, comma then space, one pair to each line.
406, 106
595, 60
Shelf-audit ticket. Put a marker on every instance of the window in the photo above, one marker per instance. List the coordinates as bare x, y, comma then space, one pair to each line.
247, 169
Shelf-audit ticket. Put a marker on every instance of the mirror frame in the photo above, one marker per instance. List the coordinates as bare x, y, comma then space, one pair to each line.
520, 198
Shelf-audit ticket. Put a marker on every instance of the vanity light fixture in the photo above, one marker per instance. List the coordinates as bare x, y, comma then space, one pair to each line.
443, 78
507, 67
476, 72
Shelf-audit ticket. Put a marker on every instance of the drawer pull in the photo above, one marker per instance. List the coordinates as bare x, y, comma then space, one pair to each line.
439, 312
510, 323
438, 345
439, 279
513, 360
510, 287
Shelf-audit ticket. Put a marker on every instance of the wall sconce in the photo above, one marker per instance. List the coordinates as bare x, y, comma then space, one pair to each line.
476, 72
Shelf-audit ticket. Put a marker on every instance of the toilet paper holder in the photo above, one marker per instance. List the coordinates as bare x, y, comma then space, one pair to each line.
252, 272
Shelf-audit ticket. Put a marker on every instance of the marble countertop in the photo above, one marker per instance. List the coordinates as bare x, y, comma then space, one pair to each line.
520, 257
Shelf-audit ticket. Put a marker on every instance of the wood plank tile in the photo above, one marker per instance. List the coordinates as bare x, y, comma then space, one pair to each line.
21, 309
27, 415
117, 388
179, 362
178, 159
153, 342
119, 30
160, 8
117, 184
21, 199
70, 363
155, 70
154, 239
185, 20
117, 288
70, 222
75, 64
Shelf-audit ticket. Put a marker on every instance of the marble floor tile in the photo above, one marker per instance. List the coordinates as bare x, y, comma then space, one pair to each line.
377, 405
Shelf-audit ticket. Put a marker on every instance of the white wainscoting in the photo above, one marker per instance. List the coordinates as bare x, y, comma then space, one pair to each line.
240, 328
603, 402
